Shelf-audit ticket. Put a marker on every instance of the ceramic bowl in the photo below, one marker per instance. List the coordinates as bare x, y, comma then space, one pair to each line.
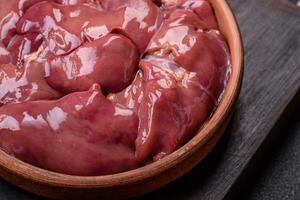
152, 176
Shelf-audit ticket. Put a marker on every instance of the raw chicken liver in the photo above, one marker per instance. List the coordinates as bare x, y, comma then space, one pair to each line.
111, 61
82, 134
96, 87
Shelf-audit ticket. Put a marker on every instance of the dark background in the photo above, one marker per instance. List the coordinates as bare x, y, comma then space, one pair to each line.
259, 155
275, 175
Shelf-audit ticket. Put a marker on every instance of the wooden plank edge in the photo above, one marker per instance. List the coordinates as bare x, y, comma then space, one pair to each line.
264, 149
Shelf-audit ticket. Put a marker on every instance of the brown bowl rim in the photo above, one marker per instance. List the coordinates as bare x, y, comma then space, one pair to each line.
222, 112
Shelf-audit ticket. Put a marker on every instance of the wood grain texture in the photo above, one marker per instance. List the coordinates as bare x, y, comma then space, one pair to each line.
271, 32
278, 176
154, 175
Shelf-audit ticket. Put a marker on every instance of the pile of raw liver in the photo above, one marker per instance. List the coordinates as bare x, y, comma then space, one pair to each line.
95, 87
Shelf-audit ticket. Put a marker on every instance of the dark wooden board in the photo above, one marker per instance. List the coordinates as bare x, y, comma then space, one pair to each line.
271, 33
276, 165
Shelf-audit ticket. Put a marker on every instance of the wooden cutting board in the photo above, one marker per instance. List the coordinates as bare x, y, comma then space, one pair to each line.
271, 33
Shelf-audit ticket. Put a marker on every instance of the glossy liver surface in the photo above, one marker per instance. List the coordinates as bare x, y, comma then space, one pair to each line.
95, 87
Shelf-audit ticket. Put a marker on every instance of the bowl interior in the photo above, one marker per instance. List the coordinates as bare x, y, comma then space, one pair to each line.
230, 30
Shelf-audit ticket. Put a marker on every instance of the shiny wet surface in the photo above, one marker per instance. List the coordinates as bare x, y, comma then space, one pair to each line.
118, 84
